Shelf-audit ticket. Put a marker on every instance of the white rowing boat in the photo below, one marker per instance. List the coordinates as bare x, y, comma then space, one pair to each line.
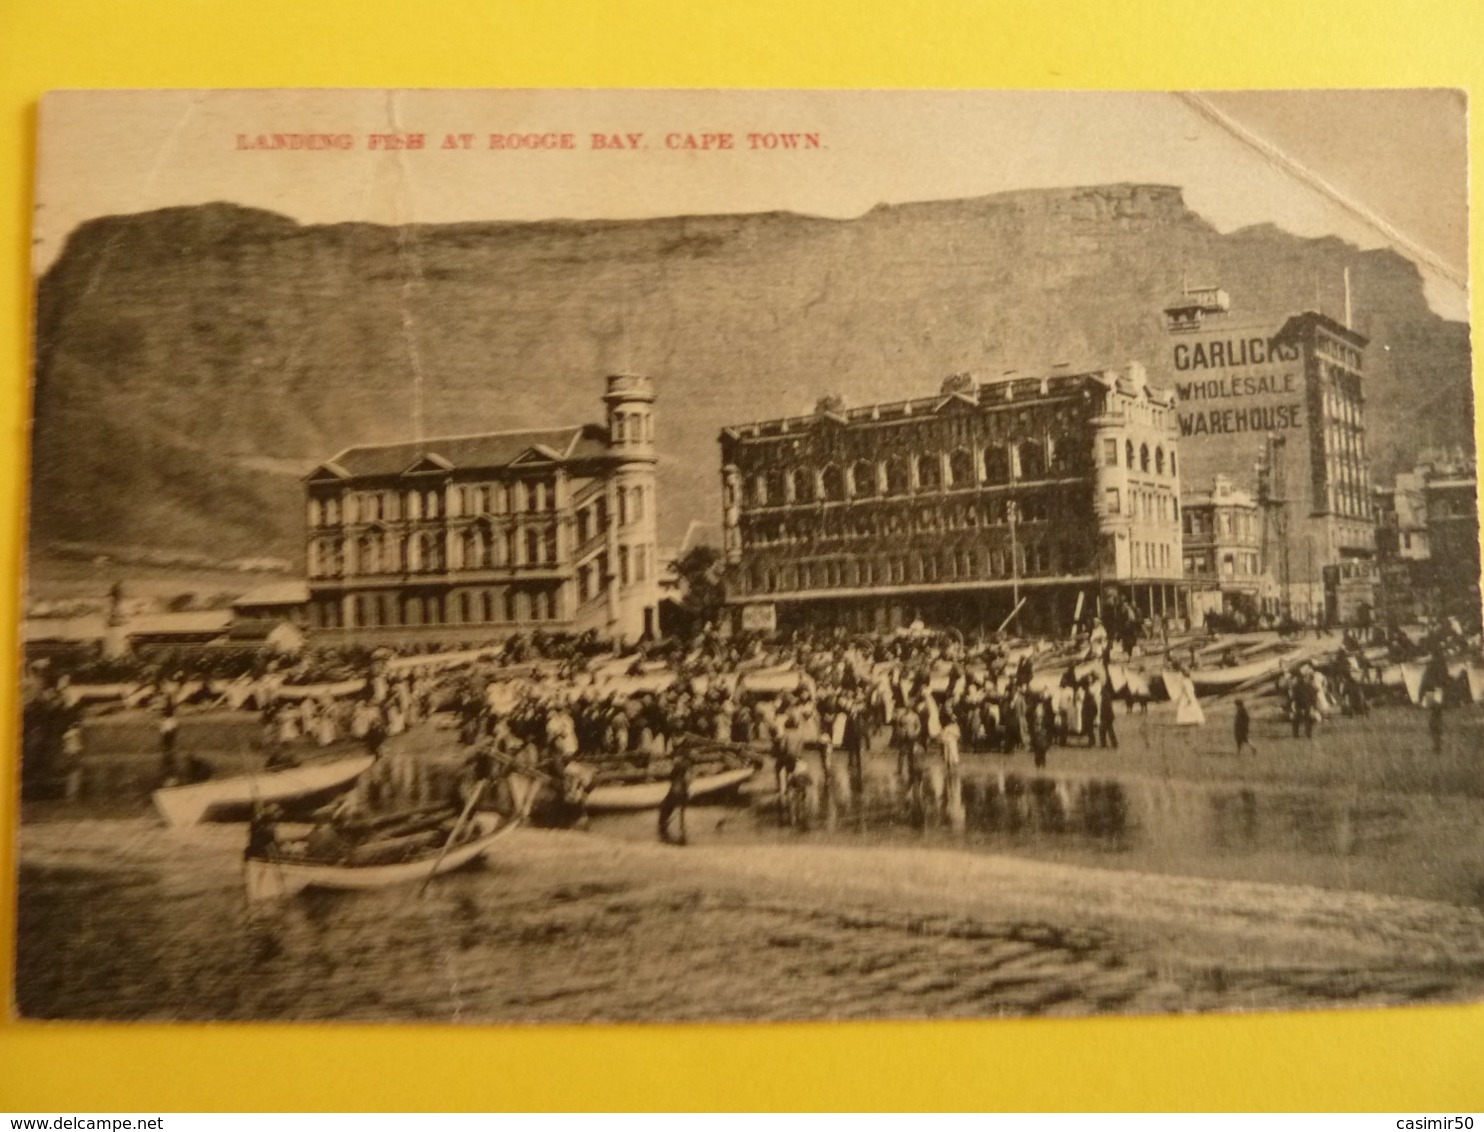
272, 878
647, 795
187, 805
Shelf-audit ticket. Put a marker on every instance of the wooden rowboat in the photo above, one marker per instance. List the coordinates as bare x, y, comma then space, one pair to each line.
187, 805
269, 879
647, 795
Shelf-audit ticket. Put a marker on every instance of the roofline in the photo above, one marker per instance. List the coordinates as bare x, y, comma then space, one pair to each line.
426, 443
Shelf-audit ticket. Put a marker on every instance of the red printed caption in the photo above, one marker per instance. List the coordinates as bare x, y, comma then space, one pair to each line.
709, 142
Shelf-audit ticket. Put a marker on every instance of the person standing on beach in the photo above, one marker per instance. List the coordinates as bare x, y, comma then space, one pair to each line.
1435, 719
1090, 712
1107, 737
1040, 729
675, 801
1242, 728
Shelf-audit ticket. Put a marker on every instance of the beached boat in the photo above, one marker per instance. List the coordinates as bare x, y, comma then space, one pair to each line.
1210, 681
187, 805
275, 877
616, 797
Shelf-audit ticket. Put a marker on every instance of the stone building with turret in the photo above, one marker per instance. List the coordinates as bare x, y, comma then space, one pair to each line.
464, 538
1060, 490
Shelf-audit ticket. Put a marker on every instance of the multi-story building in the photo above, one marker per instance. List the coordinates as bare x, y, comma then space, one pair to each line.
1285, 394
1222, 534
1061, 490
1427, 542
474, 537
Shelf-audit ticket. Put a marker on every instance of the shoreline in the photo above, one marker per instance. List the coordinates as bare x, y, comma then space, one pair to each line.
565, 926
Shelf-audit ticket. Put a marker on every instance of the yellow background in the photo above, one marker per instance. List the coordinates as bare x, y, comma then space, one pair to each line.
1410, 1059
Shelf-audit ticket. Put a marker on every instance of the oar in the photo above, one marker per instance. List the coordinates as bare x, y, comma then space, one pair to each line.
454, 833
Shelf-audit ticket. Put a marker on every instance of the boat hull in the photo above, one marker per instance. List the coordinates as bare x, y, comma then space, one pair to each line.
187, 805
275, 879
649, 795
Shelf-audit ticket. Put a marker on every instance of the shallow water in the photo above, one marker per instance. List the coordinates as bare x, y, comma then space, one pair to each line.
122, 919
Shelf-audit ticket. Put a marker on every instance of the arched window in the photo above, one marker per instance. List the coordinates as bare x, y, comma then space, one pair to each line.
961, 468
315, 513
476, 549
1128, 453
757, 488
803, 480
1159, 461
897, 477
1063, 452
929, 472
996, 464
776, 492
1143, 457
832, 481
431, 551
431, 503
1032, 460
332, 511
368, 554
863, 479
414, 505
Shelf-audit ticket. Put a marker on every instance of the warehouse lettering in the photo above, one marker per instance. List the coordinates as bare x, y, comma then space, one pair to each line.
1247, 385
1234, 352
1241, 420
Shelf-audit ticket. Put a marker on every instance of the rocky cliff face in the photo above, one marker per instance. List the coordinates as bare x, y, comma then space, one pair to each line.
192, 362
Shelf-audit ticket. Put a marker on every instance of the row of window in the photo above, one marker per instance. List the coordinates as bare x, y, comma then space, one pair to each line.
1137, 459
461, 607
1143, 504
433, 503
1237, 525
635, 565
900, 475
1156, 557
768, 530
1234, 564
950, 565
632, 428
477, 548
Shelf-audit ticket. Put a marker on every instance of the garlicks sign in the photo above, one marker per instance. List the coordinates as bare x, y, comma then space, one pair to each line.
1238, 384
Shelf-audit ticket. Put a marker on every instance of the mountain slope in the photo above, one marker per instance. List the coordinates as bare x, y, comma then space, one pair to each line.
190, 361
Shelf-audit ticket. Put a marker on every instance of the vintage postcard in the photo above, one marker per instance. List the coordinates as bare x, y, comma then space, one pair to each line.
550, 556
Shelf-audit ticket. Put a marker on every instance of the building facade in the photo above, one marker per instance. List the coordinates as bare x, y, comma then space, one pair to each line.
1278, 408
1059, 490
1222, 536
1427, 543
478, 537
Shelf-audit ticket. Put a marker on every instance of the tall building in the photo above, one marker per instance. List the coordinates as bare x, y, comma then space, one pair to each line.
1059, 490
473, 537
1278, 407
1427, 542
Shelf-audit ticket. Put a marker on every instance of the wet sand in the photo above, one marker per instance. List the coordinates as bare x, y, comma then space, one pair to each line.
123, 920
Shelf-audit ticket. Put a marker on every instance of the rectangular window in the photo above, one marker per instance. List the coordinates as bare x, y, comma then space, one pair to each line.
1110, 501
1110, 453
623, 565
512, 605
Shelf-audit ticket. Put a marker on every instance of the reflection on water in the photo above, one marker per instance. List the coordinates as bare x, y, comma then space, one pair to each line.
1005, 810
1006, 806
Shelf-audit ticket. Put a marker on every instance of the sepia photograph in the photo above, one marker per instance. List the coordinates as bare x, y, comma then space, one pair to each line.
551, 556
